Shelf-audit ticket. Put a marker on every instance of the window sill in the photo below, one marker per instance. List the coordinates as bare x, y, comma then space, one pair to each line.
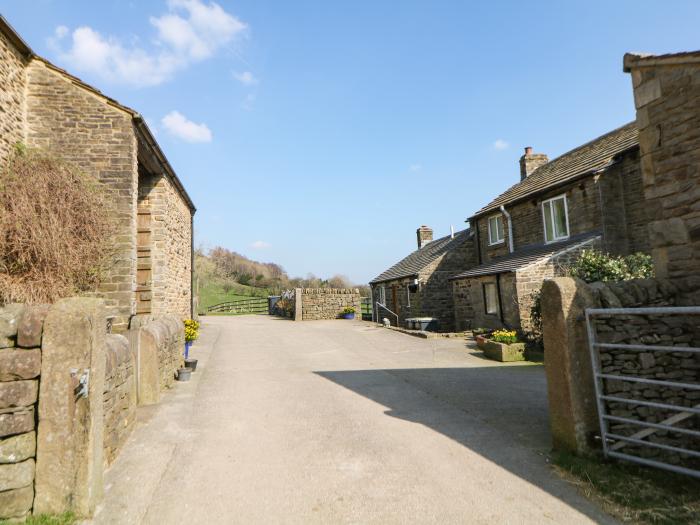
557, 240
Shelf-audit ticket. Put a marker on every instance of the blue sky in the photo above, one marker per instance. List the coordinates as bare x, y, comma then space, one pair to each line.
320, 135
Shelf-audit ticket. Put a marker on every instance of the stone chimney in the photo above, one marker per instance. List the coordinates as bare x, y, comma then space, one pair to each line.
530, 162
425, 235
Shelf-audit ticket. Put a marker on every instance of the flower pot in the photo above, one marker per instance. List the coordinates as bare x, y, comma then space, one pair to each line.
504, 352
348, 316
191, 363
183, 374
480, 341
188, 345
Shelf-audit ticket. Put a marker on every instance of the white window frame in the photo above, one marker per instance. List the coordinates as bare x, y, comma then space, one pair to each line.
551, 218
382, 294
497, 306
503, 238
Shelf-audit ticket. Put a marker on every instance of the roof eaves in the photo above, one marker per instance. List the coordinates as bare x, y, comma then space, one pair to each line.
634, 60
14, 37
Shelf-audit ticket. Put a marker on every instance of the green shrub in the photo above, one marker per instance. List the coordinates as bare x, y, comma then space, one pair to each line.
593, 266
349, 310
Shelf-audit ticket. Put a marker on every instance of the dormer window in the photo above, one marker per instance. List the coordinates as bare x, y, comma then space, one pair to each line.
556, 219
496, 230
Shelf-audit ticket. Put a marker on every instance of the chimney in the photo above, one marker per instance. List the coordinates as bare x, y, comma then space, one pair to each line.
530, 162
425, 235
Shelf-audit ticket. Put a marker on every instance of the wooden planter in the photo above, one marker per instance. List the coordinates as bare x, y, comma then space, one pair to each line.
504, 352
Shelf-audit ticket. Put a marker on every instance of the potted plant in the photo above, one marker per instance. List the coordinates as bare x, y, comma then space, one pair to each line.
504, 346
348, 312
191, 334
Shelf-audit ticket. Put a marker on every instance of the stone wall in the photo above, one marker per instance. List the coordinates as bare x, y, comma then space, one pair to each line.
20, 368
119, 396
327, 303
158, 345
97, 137
667, 98
659, 330
12, 103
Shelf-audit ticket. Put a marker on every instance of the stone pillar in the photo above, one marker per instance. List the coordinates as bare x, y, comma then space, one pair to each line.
666, 93
70, 429
298, 305
573, 415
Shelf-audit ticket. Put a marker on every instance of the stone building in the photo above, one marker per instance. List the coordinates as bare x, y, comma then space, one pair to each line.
667, 98
418, 285
590, 197
45, 107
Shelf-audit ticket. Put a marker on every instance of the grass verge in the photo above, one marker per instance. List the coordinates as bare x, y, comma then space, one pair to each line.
631, 493
61, 519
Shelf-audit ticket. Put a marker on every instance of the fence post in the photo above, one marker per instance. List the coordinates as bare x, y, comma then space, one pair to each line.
298, 305
573, 415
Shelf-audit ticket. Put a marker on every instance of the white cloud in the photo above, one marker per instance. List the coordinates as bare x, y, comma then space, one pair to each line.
246, 78
261, 245
415, 167
500, 145
178, 125
191, 31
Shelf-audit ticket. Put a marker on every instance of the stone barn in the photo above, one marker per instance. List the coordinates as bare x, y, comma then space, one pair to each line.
418, 285
43, 106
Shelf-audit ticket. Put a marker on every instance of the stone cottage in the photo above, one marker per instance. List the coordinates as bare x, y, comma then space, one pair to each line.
590, 197
45, 107
418, 285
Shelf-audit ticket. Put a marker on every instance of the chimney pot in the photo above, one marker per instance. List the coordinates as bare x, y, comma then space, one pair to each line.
424, 235
528, 150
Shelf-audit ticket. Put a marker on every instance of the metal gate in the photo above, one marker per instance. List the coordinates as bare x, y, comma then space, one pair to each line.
614, 442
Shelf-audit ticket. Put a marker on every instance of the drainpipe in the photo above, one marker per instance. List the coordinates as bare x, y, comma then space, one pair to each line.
478, 241
510, 229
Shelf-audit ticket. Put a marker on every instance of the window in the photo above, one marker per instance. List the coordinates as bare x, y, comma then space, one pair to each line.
495, 229
556, 219
491, 298
382, 294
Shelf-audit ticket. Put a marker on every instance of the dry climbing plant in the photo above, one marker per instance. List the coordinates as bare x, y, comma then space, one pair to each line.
55, 229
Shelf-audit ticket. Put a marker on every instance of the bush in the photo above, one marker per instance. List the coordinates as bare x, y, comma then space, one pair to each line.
593, 266
349, 310
55, 226
504, 336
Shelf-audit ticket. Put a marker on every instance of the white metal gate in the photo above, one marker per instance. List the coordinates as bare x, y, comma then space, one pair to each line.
613, 442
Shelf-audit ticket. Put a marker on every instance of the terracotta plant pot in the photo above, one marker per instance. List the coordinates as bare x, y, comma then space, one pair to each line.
481, 341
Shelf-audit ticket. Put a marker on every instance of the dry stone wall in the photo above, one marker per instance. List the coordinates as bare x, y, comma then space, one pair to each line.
327, 303
119, 396
20, 369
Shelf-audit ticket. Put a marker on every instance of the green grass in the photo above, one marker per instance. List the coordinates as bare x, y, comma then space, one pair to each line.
211, 293
62, 519
632, 493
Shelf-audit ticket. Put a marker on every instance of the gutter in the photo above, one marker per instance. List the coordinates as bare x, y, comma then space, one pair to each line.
510, 229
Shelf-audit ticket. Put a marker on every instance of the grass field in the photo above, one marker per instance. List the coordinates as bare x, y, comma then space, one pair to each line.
212, 292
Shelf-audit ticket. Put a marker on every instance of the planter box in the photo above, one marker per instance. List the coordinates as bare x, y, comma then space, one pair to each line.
504, 352
481, 341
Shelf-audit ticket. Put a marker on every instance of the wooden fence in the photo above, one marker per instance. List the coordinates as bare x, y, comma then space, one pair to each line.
253, 305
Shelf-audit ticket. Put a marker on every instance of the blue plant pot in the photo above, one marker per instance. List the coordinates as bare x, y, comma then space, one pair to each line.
188, 345
348, 316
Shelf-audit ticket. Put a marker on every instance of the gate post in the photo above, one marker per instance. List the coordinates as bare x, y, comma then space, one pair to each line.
298, 305
573, 415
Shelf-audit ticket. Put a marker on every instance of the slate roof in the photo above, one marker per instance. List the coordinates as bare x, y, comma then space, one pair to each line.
416, 261
526, 256
585, 159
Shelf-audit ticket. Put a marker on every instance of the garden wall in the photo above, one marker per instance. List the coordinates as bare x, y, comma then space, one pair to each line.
573, 412
68, 397
327, 303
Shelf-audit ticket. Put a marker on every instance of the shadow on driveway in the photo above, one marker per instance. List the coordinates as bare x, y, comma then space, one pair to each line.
499, 412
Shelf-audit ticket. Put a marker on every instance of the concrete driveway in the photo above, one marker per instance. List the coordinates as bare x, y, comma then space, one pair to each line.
342, 422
